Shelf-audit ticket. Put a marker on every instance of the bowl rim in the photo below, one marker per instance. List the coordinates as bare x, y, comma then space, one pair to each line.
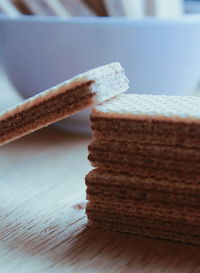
183, 19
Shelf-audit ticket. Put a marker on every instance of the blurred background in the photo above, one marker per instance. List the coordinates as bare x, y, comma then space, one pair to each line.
44, 42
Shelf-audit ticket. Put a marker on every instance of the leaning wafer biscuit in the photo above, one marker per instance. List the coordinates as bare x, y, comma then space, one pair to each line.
98, 6
63, 100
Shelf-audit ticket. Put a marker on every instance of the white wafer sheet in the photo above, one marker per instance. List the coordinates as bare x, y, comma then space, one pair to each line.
109, 81
152, 105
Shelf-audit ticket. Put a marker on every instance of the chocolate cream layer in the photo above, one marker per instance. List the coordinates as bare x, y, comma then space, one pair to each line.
154, 130
46, 111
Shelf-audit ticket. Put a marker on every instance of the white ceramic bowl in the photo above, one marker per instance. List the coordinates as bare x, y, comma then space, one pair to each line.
160, 56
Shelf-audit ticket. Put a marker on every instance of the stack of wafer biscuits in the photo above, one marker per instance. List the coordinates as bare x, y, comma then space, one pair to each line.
146, 150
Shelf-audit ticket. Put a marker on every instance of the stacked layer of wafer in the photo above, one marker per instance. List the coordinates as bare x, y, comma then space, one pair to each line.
147, 153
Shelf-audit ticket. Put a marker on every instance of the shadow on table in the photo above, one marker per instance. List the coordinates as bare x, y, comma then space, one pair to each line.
45, 137
106, 251
70, 243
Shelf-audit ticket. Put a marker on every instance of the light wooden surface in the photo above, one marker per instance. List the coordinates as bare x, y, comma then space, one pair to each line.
42, 217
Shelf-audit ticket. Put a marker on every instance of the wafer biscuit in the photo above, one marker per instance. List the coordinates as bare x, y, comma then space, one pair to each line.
178, 153
131, 8
45, 7
58, 8
152, 210
21, 6
142, 230
136, 154
150, 222
170, 120
122, 186
98, 6
169, 218
159, 173
7, 8
62, 100
166, 164
76, 8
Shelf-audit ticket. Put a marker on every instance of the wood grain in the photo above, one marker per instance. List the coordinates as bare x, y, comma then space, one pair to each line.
42, 212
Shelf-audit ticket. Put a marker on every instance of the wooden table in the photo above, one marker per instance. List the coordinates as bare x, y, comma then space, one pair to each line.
43, 223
